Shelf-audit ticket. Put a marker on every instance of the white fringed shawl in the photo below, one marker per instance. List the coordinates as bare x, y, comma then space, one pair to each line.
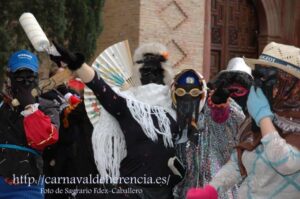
108, 139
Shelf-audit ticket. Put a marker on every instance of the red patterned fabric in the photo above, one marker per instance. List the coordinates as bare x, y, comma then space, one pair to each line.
39, 130
220, 115
219, 112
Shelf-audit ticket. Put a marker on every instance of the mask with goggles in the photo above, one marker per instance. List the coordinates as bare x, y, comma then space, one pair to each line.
188, 96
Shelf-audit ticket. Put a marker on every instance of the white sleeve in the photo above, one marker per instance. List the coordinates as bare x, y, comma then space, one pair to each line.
228, 176
282, 156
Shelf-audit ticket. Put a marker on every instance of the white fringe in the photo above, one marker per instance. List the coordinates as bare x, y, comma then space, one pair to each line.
108, 140
109, 145
142, 112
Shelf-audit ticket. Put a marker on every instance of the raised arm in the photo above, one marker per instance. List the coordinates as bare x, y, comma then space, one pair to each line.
107, 97
282, 156
111, 101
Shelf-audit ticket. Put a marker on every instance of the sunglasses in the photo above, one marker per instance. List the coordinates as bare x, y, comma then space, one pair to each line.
195, 92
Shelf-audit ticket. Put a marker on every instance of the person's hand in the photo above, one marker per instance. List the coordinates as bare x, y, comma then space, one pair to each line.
208, 192
258, 105
220, 95
73, 60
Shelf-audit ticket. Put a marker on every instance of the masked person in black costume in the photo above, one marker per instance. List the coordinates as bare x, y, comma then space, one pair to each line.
25, 130
72, 155
147, 128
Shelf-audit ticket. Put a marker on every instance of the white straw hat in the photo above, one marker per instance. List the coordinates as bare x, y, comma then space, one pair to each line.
281, 56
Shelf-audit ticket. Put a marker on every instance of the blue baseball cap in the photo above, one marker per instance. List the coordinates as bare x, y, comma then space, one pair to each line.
23, 59
188, 77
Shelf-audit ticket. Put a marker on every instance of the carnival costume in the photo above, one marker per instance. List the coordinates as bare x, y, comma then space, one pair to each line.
267, 167
25, 130
68, 158
141, 127
206, 140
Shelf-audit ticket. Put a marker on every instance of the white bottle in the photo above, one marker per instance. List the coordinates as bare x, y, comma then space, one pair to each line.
34, 32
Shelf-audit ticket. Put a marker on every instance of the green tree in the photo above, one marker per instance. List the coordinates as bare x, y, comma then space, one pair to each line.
76, 23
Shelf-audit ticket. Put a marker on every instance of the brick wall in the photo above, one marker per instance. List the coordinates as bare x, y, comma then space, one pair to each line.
179, 24
120, 22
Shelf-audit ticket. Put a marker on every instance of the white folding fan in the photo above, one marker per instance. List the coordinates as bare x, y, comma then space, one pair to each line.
114, 66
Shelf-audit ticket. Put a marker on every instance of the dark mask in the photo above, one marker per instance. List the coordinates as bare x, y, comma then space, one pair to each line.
281, 89
22, 82
237, 83
241, 101
152, 71
187, 108
265, 78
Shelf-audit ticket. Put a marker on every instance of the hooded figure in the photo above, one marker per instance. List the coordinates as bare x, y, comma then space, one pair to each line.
266, 162
205, 141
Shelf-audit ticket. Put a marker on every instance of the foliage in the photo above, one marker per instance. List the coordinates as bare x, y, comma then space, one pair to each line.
76, 23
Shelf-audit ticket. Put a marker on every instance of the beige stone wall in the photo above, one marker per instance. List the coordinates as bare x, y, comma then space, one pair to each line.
179, 24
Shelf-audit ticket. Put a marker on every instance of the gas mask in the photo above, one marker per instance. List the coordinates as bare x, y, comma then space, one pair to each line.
22, 82
151, 70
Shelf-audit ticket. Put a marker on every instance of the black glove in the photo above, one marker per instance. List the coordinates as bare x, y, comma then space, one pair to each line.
73, 60
220, 95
